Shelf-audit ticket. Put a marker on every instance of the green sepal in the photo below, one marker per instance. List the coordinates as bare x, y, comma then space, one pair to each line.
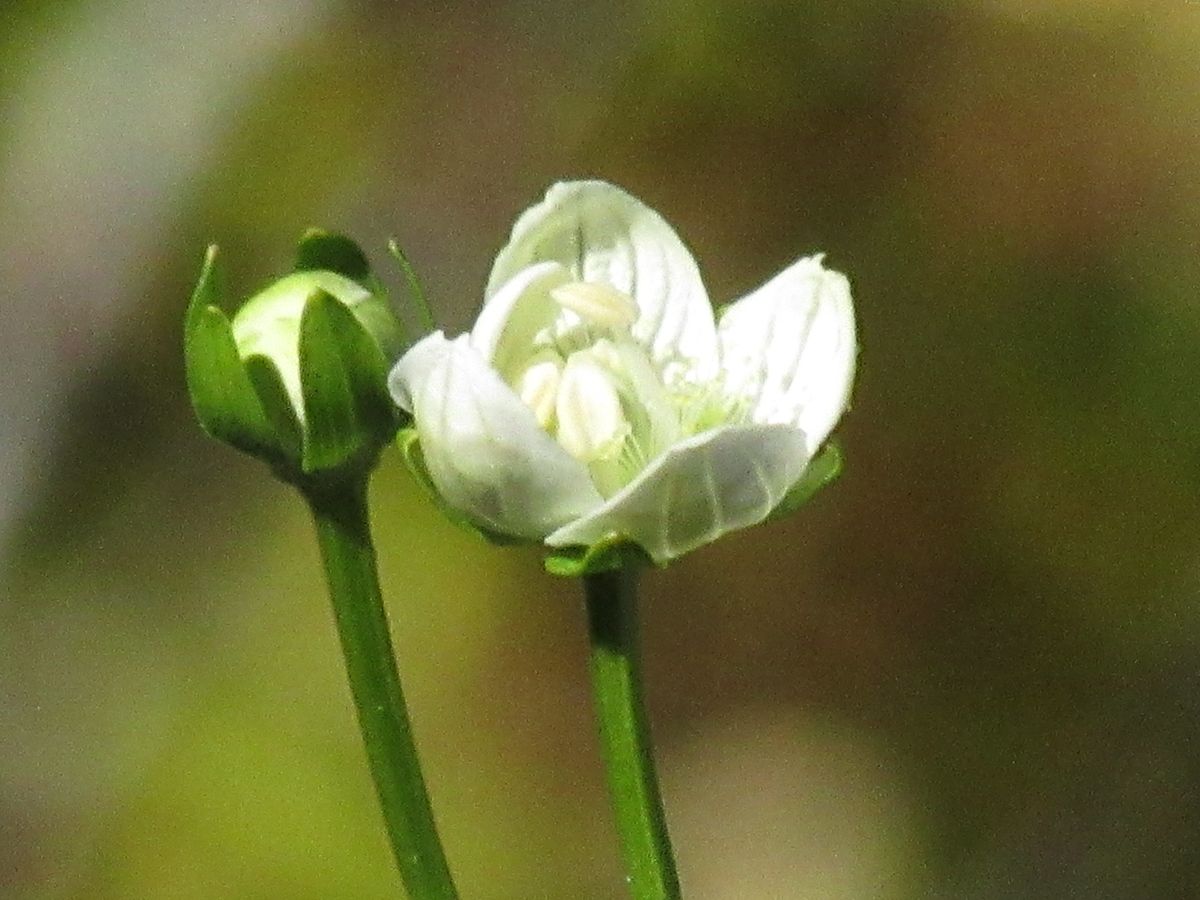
319, 249
221, 393
366, 369
210, 288
409, 444
612, 553
332, 252
824, 469
332, 430
276, 404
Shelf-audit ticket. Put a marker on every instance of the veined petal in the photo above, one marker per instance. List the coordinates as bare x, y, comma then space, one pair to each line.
482, 445
605, 236
700, 489
505, 331
789, 349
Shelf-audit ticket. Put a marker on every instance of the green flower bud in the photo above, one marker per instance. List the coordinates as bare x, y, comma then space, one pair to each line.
298, 378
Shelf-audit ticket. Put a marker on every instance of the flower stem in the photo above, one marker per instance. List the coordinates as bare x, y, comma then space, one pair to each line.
343, 532
611, 599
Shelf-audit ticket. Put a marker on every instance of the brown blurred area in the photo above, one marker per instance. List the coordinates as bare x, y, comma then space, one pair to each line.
971, 669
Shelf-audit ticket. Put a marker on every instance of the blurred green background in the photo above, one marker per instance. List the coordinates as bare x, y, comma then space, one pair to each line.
969, 670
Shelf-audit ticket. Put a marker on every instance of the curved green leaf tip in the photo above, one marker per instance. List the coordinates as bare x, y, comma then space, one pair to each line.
415, 288
618, 552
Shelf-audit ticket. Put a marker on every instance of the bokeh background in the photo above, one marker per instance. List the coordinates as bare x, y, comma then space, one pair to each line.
969, 670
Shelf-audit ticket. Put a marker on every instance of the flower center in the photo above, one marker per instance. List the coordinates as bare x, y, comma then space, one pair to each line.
578, 400
592, 425
593, 388
586, 382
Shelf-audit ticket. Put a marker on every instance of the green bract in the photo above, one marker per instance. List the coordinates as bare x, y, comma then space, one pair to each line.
598, 407
298, 377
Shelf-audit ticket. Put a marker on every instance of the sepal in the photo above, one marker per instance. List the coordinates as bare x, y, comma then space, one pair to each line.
612, 553
319, 250
823, 471
220, 389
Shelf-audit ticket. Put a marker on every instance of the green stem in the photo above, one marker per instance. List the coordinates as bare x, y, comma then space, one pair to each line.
343, 531
625, 736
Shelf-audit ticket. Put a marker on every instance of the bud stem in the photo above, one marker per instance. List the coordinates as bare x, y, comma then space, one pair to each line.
611, 599
343, 532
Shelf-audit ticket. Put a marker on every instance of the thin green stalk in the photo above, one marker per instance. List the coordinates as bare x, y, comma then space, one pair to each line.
343, 531
625, 736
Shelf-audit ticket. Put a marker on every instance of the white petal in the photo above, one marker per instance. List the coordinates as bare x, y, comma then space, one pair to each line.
701, 488
482, 445
505, 330
605, 236
789, 348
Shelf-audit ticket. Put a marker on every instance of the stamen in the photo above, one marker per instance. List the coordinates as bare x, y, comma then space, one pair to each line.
599, 304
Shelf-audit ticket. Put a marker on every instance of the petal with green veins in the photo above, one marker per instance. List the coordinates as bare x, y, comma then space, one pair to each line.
788, 349
505, 332
604, 236
700, 489
483, 447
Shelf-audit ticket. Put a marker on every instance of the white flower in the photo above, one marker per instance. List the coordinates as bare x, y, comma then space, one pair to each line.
596, 397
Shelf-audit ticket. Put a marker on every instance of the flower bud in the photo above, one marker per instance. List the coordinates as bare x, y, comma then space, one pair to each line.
298, 377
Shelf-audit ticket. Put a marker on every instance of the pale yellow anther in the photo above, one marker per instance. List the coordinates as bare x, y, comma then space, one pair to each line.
597, 304
537, 386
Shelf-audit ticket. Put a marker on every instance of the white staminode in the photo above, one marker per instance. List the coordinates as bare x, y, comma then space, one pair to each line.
580, 401
537, 385
597, 397
591, 423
